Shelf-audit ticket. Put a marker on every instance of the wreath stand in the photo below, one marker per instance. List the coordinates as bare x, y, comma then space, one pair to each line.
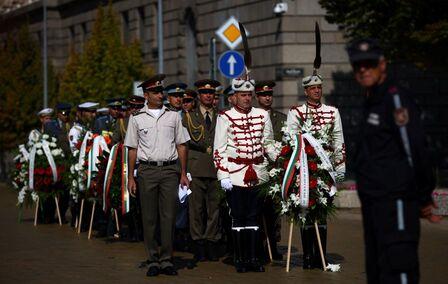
56, 200
288, 258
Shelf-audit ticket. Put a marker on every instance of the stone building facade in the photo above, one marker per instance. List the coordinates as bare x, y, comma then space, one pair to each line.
278, 43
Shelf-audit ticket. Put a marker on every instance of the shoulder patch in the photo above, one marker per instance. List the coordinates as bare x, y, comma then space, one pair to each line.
392, 90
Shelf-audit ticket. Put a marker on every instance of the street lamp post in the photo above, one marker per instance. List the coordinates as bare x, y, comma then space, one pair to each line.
44, 50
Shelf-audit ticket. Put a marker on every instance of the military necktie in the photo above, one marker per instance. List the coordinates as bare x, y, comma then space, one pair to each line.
208, 120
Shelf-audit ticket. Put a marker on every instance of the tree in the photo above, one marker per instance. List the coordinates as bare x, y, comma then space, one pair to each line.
21, 87
106, 68
408, 30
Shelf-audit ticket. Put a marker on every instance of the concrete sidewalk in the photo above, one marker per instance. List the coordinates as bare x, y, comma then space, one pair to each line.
53, 254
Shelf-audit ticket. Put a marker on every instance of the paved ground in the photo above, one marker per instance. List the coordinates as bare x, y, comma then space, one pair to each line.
53, 254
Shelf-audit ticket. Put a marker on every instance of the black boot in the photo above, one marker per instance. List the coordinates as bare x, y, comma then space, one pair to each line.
199, 250
239, 246
212, 251
307, 246
317, 260
254, 261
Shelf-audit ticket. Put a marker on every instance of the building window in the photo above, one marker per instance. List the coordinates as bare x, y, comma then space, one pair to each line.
83, 35
125, 27
191, 46
154, 40
141, 24
71, 38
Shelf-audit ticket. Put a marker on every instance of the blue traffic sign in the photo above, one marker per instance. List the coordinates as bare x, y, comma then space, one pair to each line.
231, 64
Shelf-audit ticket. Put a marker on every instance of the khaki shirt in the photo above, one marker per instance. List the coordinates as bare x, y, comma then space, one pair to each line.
155, 138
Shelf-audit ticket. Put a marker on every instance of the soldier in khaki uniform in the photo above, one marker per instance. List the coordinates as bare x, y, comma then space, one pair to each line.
155, 136
203, 202
265, 95
133, 105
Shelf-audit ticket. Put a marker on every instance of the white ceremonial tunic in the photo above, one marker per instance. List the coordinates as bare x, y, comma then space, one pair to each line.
241, 143
323, 122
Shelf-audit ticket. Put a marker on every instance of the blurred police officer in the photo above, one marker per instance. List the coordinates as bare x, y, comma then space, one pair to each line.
394, 175
155, 136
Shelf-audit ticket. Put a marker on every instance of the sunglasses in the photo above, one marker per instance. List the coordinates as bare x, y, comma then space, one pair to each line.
367, 64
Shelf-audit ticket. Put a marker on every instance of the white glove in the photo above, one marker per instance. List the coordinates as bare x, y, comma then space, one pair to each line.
226, 184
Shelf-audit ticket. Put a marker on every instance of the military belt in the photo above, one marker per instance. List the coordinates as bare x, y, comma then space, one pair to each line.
158, 164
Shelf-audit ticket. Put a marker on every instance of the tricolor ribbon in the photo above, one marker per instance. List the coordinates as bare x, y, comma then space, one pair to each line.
299, 156
125, 199
99, 145
125, 202
109, 172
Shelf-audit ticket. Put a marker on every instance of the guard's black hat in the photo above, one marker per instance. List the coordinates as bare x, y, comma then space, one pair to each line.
263, 87
153, 84
176, 89
207, 85
228, 92
364, 49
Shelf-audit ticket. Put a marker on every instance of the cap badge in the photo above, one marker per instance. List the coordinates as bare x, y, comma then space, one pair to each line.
364, 46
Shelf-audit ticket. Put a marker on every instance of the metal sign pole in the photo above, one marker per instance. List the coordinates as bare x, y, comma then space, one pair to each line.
213, 58
44, 50
160, 34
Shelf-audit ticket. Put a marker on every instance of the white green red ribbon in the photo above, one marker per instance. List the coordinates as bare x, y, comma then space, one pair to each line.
125, 202
291, 168
99, 144
109, 172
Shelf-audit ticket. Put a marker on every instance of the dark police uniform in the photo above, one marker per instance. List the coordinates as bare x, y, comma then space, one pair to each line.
393, 184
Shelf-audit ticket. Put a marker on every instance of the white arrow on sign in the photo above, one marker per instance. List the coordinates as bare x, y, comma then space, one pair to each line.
231, 62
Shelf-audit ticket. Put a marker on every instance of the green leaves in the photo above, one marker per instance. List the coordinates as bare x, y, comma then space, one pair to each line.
21, 87
106, 68
409, 30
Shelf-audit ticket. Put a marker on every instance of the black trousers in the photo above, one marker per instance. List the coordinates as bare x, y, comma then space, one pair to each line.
245, 206
391, 236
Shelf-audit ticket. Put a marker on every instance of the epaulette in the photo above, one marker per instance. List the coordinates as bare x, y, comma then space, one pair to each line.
138, 113
294, 107
221, 112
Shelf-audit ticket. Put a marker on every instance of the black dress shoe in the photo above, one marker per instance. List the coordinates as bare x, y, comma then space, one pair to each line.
153, 271
169, 270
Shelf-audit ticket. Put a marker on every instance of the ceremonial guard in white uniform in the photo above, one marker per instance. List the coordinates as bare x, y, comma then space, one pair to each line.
240, 157
323, 122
